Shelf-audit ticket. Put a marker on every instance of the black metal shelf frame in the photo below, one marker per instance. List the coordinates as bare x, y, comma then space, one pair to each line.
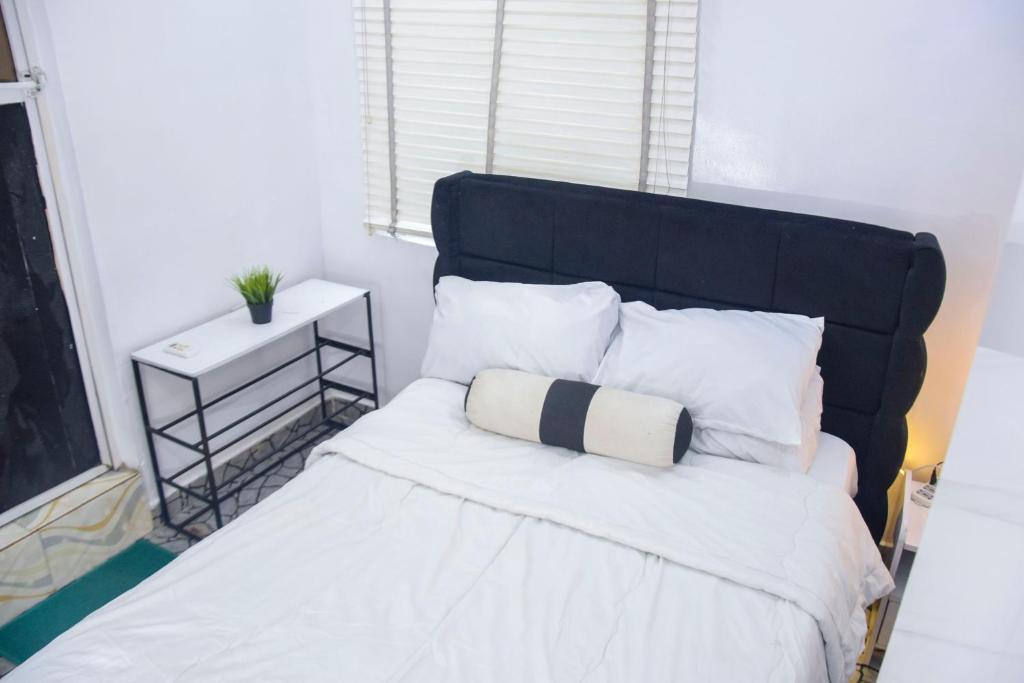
214, 491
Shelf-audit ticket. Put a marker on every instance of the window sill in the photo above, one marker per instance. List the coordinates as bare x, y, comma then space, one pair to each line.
422, 240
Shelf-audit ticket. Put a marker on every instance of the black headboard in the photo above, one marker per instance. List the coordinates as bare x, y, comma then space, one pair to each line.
877, 288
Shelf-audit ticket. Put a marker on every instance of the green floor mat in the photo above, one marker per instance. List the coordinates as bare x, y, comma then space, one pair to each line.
30, 631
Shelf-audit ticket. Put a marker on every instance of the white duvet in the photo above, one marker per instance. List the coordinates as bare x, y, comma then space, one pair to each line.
418, 548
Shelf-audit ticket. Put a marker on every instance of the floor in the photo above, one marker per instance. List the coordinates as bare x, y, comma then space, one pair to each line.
48, 547
868, 673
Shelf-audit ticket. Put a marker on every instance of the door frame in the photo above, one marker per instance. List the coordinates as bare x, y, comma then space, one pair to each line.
71, 249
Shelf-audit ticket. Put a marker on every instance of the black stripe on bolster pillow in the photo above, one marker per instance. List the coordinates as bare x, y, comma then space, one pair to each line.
584, 417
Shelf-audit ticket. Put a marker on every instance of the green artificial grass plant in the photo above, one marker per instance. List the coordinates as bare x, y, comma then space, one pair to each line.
257, 284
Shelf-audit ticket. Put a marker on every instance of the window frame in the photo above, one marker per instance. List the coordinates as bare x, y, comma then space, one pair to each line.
657, 12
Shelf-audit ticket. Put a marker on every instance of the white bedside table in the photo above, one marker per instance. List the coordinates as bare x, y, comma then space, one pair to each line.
912, 518
909, 528
233, 336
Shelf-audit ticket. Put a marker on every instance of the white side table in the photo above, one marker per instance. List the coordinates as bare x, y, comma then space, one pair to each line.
229, 338
912, 519
909, 528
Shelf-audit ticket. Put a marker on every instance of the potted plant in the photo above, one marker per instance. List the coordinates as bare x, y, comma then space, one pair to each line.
257, 286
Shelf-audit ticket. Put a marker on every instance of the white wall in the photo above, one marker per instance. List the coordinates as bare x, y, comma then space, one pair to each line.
1004, 323
902, 114
398, 273
190, 126
905, 114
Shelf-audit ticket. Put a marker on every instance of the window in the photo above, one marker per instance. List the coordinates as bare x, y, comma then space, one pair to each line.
596, 91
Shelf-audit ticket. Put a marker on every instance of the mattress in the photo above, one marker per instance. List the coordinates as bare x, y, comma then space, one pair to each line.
835, 463
418, 547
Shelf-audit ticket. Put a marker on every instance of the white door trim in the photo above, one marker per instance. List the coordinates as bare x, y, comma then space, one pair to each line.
12, 93
72, 253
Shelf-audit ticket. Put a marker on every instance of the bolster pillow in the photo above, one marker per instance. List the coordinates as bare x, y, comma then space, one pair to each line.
584, 417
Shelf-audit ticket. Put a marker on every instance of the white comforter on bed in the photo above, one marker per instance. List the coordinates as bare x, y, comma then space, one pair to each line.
416, 547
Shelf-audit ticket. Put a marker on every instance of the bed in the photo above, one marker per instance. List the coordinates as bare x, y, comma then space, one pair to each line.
416, 546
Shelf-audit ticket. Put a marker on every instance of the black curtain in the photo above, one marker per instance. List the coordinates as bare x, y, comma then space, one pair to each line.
46, 433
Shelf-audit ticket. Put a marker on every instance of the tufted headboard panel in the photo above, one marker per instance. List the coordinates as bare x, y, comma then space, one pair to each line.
878, 289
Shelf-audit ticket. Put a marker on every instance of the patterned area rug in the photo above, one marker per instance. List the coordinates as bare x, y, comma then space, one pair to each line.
182, 506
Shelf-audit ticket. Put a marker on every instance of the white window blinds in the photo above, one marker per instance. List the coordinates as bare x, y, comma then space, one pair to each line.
595, 91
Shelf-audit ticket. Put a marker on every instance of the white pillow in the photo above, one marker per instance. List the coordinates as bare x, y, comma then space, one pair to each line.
750, 448
555, 330
737, 371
